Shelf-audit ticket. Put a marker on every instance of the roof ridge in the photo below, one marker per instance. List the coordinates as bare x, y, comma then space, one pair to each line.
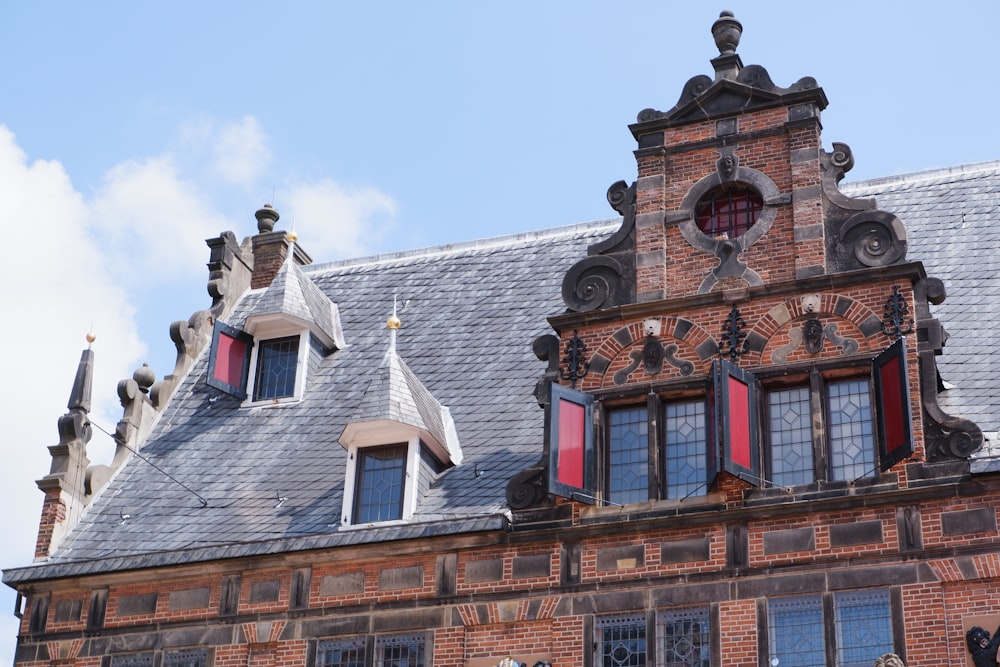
449, 248
925, 175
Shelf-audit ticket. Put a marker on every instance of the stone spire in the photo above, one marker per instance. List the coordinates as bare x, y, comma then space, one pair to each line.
65, 485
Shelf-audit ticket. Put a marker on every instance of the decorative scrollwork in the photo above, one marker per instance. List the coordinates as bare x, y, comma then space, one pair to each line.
621, 376
576, 366
652, 356
734, 334
527, 488
683, 365
875, 238
592, 283
895, 320
842, 157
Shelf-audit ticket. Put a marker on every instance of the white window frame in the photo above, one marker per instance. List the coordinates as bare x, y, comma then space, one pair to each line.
301, 367
411, 474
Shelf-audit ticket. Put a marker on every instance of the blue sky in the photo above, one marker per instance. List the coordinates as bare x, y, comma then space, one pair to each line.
130, 132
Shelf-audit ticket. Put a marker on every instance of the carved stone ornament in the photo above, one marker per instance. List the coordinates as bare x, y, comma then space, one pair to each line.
812, 335
982, 647
945, 437
890, 660
607, 276
874, 238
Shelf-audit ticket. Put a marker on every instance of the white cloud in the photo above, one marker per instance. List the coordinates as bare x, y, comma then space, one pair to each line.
334, 221
79, 262
152, 220
241, 152
56, 286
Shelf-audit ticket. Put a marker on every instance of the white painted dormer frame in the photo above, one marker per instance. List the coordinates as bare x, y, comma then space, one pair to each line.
411, 475
269, 328
301, 370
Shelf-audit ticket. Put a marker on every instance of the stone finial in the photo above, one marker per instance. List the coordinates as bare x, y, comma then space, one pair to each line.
144, 377
267, 217
727, 32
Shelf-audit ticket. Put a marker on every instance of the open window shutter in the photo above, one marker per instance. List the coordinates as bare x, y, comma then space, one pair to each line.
736, 439
892, 398
229, 359
572, 459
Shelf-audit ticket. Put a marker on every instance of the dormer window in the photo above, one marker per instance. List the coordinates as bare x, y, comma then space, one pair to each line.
277, 361
379, 487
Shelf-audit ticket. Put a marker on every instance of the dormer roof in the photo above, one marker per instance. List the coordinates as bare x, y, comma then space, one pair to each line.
395, 404
293, 299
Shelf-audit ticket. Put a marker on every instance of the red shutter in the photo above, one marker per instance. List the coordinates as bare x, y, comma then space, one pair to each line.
229, 359
736, 437
892, 403
572, 460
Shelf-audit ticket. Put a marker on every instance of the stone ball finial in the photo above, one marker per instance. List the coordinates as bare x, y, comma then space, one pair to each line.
727, 32
144, 377
267, 217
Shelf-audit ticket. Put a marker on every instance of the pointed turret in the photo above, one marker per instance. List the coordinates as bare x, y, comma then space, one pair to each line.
65, 485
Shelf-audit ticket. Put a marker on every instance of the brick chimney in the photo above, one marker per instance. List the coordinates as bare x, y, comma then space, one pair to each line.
270, 248
64, 486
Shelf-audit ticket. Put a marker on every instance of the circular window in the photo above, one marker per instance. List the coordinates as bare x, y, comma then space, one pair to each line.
728, 211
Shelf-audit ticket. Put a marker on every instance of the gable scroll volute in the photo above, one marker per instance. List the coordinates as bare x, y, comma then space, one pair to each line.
606, 277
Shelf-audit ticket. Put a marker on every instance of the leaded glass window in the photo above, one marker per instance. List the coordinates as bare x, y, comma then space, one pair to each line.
628, 456
864, 630
852, 443
277, 361
795, 631
399, 651
348, 652
132, 660
197, 657
379, 486
684, 456
621, 641
684, 638
790, 437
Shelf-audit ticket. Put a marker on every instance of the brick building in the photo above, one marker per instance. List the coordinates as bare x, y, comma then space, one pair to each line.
720, 429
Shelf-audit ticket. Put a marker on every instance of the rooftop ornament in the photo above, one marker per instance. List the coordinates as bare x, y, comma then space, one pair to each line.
727, 32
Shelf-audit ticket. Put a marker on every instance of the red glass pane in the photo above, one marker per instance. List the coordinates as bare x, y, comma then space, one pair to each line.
892, 406
569, 469
739, 424
229, 357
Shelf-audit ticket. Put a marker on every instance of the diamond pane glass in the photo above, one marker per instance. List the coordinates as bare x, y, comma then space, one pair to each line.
341, 653
621, 641
192, 658
795, 627
685, 442
864, 629
790, 437
379, 492
684, 638
132, 660
276, 363
628, 456
852, 444
399, 651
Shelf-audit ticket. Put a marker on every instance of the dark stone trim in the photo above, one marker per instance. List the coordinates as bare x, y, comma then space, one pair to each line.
686, 551
341, 584
97, 609
140, 604
190, 598
229, 599
966, 522
68, 611
265, 591
611, 558
479, 571
531, 567
446, 575
398, 578
853, 534
299, 592
789, 541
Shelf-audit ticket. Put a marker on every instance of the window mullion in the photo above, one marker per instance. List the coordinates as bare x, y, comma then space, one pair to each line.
654, 442
820, 419
830, 630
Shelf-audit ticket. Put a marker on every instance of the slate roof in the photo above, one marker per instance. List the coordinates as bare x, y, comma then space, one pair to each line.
293, 295
474, 310
952, 219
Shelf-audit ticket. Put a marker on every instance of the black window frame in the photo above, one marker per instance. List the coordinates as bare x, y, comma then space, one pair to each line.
372, 648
